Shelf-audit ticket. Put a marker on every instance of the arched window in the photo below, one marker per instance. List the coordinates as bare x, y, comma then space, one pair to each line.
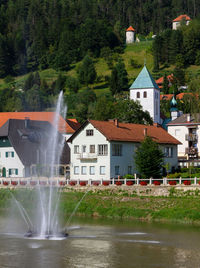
138, 95
145, 94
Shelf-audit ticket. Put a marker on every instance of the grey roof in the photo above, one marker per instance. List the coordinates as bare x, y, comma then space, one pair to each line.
30, 140
183, 119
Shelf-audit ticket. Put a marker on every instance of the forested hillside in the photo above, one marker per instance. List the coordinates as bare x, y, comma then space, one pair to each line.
55, 33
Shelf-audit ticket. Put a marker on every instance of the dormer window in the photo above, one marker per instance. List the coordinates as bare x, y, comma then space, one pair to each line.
138, 95
89, 132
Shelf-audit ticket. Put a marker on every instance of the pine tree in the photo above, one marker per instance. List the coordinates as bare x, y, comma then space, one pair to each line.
86, 71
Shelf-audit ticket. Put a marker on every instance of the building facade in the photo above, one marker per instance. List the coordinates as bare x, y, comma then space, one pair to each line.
130, 35
185, 19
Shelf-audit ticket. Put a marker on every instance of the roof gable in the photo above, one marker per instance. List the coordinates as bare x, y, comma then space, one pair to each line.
144, 80
130, 29
179, 18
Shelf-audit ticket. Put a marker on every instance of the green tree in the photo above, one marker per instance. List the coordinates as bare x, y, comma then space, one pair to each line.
149, 159
86, 71
165, 85
119, 78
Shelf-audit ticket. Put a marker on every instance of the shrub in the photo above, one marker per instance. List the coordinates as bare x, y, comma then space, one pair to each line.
174, 175
187, 182
61, 183
129, 177
82, 183
156, 182
129, 183
5, 183
14, 182
118, 183
106, 183
72, 183
143, 183
172, 182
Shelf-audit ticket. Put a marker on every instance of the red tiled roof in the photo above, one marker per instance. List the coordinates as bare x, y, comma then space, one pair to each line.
132, 132
161, 79
130, 29
166, 96
179, 18
64, 127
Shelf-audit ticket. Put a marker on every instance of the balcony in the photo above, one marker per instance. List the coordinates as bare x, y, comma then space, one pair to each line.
191, 137
191, 151
86, 156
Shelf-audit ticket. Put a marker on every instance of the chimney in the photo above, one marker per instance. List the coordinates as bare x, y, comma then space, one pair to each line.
145, 131
26, 122
188, 118
116, 122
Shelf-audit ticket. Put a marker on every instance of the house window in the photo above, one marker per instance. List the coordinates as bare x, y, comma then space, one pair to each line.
102, 149
177, 132
92, 170
102, 170
13, 171
84, 149
117, 149
83, 170
76, 149
76, 170
145, 94
116, 170
92, 149
9, 154
129, 169
168, 152
89, 132
138, 95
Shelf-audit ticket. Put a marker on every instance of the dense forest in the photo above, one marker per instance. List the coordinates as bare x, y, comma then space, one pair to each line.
55, 33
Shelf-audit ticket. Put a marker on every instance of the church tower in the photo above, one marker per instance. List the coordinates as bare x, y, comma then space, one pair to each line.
145, 90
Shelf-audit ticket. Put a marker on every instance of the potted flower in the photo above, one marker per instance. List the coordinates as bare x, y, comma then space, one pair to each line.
14, 183
156, 183
106, 183
23, 182
33, 183
95, 183
172, 182
72, 183
5, 183
187, 182
82, 183
129, 183
42, 182
118, 183
62, 183
143, 183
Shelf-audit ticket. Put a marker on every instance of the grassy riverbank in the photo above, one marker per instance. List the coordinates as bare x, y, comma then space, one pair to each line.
120, 204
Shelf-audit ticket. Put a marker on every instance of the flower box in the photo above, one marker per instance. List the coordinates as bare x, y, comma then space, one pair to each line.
62, 183
143, 183
118, 183
157, 183
42, 182
82, 183
72, 183
129, 183
14, 183
95, 183
106, 183
23, 182
172, 182
33, 183
187, 182
5, 183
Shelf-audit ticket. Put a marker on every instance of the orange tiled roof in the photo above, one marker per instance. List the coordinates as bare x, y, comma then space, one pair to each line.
132, 132
179, 18
64, 127
161, 79
130, 29
166, 96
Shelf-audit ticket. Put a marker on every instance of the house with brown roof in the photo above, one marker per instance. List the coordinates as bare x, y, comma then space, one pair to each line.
106, 149
185, 19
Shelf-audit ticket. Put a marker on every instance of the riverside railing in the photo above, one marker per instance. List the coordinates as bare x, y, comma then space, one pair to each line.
112, 182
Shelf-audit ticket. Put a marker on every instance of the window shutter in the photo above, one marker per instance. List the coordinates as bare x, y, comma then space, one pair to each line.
12, 154
16, 171
6, 154
9, 171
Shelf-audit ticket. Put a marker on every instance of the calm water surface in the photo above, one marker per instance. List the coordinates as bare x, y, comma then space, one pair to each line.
105, 244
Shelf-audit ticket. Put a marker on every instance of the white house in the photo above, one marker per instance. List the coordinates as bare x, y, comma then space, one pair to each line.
130, 35
105, 149
186, 129
145, 90
25, 150
180, 19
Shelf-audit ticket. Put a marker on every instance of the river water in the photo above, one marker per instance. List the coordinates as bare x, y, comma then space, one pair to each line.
95, 243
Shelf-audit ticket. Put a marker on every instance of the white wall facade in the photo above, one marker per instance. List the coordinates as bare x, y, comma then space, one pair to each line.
177, 24
150, 103
130, 37
11, 162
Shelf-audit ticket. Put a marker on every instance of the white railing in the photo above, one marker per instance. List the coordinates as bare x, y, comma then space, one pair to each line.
30, 182
87, 156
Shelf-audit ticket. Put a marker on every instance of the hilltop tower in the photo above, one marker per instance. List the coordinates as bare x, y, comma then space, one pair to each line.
130, 35
145, 90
